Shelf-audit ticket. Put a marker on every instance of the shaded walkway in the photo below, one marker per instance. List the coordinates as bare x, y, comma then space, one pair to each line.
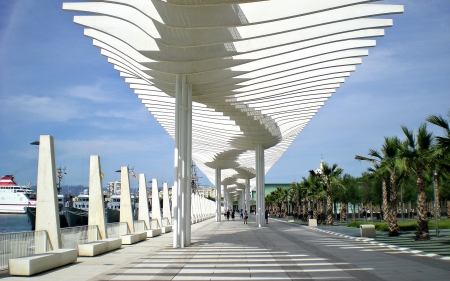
231, 250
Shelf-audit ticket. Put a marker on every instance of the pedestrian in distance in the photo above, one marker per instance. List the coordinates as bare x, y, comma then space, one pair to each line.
266, 216
232, 214
228, 215
242, 214
245, 217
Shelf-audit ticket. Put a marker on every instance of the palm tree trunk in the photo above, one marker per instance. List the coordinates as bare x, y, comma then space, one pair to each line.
422, 220
344, 211
384, 208
438, 202
329, 213
309, 209
448, 209
393, 226
315, 208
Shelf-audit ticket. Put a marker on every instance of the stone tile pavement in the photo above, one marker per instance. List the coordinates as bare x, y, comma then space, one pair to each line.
230, 250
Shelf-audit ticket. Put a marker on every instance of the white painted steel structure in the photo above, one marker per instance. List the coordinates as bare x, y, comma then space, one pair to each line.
232, 81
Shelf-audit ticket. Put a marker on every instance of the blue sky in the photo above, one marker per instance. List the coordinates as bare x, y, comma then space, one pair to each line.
53, 81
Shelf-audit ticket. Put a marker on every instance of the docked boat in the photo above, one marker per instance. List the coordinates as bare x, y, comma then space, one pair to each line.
78, 215
31, 214
113, 207
14, 198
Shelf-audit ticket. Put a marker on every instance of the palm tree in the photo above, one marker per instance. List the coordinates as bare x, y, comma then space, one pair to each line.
387, 162
281, 195
416, 153
269, 200
329, 175
442, 143
378, 172
312, 187
441, 152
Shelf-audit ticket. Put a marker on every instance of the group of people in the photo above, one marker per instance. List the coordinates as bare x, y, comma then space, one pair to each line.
243, 215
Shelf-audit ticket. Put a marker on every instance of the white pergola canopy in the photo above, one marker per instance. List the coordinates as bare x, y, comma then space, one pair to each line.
259, 70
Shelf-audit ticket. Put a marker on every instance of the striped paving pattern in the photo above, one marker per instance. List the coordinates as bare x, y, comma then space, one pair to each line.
437, 246
230, 250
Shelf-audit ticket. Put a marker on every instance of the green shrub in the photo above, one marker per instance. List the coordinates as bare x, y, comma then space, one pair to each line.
406, 225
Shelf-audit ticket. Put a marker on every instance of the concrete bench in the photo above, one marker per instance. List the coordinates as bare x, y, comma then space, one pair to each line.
27, 266
93, 249
367, 230
290, 219
166, 229
312, 223
132, 238
153, 232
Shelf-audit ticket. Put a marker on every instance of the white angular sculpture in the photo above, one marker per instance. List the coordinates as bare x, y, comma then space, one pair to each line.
47, 213
96, 201
156, 208
166, 203
126, 209
143, 201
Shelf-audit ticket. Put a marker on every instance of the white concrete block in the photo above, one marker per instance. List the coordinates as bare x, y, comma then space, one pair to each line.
113, 243
312, 223
92, 249
132, 238
27, 266
153, 232
166, 229
367, 230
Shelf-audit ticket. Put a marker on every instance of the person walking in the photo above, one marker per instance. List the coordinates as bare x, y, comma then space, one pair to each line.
242, 214
266, 216
228, 215
232, 214
245, 217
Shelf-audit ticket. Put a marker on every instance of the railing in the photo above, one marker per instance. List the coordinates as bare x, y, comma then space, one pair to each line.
21, 244
154, 224
116, 229
139, 226
71, 237
165, 222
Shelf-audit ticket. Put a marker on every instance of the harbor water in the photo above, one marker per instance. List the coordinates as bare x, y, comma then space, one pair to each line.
14, 223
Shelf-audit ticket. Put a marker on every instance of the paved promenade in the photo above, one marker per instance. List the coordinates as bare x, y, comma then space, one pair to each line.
231, 250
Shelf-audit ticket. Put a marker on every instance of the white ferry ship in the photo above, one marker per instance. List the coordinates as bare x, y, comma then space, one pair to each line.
14, 198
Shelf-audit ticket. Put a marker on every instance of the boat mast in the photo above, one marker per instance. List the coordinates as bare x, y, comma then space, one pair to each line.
60, 176
194, 178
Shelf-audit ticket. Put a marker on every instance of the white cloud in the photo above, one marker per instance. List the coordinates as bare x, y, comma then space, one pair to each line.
38, 109
108, 145
95, 93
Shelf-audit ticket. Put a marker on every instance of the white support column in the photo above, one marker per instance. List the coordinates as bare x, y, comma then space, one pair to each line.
260, 208
176, 187
96, 213
183, 143
225, 197
241, 201
47, 213
188, 155
126, 210
247, 195
156, 208
143, 201
218, 187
